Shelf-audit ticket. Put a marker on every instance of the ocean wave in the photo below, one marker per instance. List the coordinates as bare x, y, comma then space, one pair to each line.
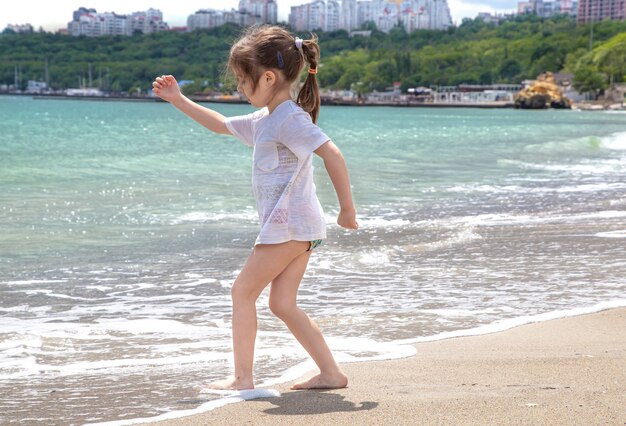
506, 189
498, 219
459, 237
595, 168
374, 258
248, 216
616, 141
381, 222
32, 367
570, 145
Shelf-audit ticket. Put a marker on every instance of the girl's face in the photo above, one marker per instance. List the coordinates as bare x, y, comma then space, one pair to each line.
258, 97
270, 89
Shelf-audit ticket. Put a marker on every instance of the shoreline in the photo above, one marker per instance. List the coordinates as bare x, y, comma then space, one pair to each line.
567, 371
588, 106
204, 99
564, 370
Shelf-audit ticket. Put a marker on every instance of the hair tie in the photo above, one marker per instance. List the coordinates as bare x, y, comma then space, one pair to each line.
312, 70
299, 45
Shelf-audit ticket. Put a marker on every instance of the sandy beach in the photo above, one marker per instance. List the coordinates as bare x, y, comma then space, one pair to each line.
564, 371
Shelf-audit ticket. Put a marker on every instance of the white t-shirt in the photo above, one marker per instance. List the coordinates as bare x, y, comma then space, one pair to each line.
282, 171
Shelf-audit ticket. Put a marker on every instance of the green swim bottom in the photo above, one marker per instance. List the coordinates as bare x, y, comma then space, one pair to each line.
314, 244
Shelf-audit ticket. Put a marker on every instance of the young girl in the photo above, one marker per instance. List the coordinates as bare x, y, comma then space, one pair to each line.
267, 62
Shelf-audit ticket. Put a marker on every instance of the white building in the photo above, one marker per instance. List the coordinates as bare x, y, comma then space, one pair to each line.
265, 10
386, 14
348, 16
365, 13
206, 18
24, 28
495, 18
89, 22
318, 15
250, 12
34, 86
211, 18
549, 8
333, 15
114, 24
148, 22
412, 14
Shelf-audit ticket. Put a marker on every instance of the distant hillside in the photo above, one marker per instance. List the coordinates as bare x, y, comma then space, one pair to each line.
473, 53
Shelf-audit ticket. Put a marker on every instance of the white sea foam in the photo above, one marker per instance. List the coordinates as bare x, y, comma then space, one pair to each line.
110, 367
148, 326
20, 353
595, 187
461, 237
510, 219
616, 141
381, 222
504, 189
486, 188
612, 234
30, 282
103, 328
198, 282
374, 258
248, 215
595, 168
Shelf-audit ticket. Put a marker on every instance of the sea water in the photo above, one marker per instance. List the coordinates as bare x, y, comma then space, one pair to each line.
123, 225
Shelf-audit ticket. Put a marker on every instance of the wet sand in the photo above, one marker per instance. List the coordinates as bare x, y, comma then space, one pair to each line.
564, 371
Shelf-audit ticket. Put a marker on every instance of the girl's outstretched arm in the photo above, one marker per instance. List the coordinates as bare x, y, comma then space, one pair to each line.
166, 88
338, 172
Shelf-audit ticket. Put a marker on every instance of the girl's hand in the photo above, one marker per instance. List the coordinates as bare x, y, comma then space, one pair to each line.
347, 219
166, 88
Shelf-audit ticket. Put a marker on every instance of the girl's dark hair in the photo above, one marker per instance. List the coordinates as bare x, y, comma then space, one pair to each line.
272, 47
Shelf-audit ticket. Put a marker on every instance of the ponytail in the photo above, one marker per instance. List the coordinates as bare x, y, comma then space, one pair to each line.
309, 95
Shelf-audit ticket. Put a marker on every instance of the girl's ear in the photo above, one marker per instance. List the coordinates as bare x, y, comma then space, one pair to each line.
270, 78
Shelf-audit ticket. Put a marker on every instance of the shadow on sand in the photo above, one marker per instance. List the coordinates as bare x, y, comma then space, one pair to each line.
314, 402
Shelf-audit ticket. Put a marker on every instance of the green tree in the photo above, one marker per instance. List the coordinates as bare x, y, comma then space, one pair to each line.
610, 57
587, 79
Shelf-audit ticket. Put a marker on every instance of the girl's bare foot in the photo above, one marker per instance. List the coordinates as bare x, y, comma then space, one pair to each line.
231, 383
321, 381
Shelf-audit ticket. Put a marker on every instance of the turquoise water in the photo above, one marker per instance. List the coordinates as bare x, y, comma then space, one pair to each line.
123, 225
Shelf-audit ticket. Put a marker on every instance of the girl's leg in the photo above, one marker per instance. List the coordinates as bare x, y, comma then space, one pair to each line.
265, 263
283, 293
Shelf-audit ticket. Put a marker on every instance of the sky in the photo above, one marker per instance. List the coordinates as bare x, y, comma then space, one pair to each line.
52, 15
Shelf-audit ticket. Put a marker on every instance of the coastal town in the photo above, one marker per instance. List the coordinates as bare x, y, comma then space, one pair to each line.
357, 18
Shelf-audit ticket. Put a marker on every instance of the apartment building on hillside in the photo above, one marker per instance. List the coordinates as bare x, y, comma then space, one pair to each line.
330, 15
89, 22
250, 12
598, 10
